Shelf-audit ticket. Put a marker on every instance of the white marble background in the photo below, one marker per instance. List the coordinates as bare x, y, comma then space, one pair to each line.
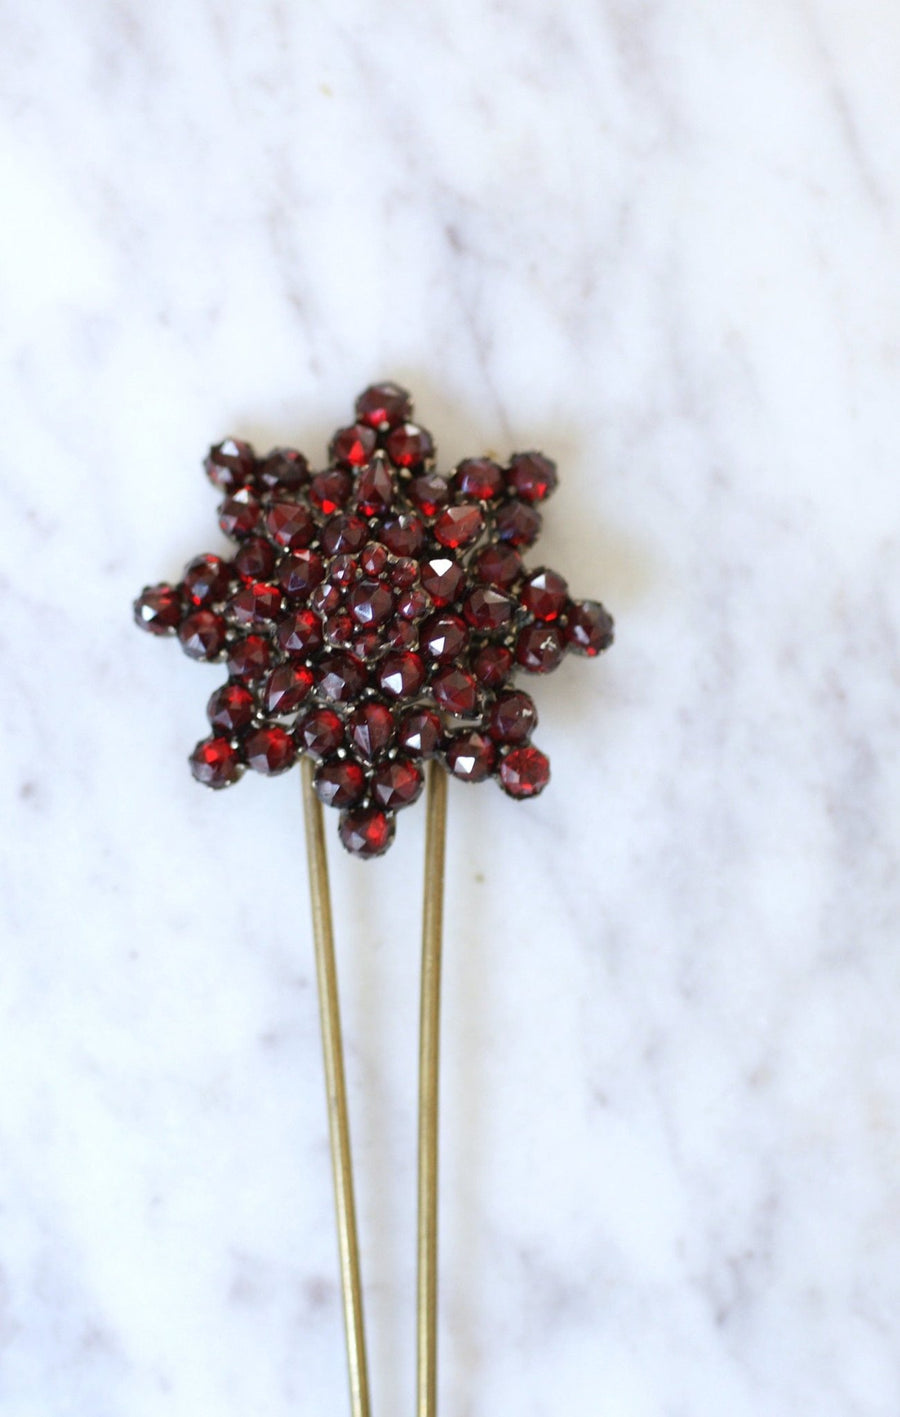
661, 241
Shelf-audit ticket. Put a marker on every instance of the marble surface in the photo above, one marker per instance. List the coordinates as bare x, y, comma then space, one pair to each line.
661, 242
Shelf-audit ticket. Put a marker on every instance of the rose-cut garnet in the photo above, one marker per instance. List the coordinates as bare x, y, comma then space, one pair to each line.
367, 831
286, 689
455, 690
325, 599
470, 756
531, 476
409, 446
487, 609
383, 406
202, 635
498, 566
420, 732
370, 729
300, 634
255, 604
216, 763
158, 609
480, 478
401, 675
270, 750
545, 595
539, 648
459, 526
429, 492
518, 524
320, 732
404, 572
299, 574
397, 783
491, 665
413, 604
404, 535
254, 559
330, 490
250, 658
239, 514
399, 634
284, 470
370, 603
352, 447
341, 677
231, 708
290, 524
343, 570
339, 629
343, 535
230, 465
374, 489
589, 628
524, 772
341, 783
373, 559
205, 578
513, 717
443, 579
443, 635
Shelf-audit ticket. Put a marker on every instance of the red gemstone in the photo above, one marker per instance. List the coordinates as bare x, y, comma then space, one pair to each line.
370, 729
429, 492
300, 634
321, 732
352, 447
375, 489
344, 534
397, 783
524, 772
284, 469
420, 732
255, 560
400, 634
290, 524
239, 514
373, 559
539, 648
230, 465
480, 478
470, 756
249, 658
409, 446
206, 578
498, 565
256, 604
404, 535
367, 831
487, 609
369, 644
414, 604
491, 665
443, 579
589, 628
343, 570
339, 629
459, 526
545, 595
513, 717
215, 763
287, 688
455, 690
231, 708
405, 572
330, 490
518, 523
531, 476
341, 783
443, 636
325, 599
370, 603
341, 677
270, 750
402, 675
202, 634
298, 575
158, 609
383, 406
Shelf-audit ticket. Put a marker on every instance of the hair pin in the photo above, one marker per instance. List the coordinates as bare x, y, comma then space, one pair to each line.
372, 618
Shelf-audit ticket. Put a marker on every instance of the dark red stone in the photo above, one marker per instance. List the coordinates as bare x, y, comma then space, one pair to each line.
409, 446
404, 535
255, 604
513, 717
373, 559
429, 492
215, 763
414, 603
202, 634
470, 756
339, 629
397, 783
341, 783
341, 677
487, 609
383, 406
343, 571
400, 634
420, 732
290, 524
342, 535
158, 609
367, 831
287, 687
299, 574
539, 648
284, 469
254, 560
375, 489
459, 526
405, 572
480, 478
401, 675
499, 566
352, 447
231, 708
524, 772
518, 523
320, 732
369, 644
270, 750
443, 636
300, 634
250, 658
443, 578
545, 595
589, 627
531, 476
455, 690
205, 579
370, 728
491, 665
330, 490
239, 514
230, 465
325, 599
370, 603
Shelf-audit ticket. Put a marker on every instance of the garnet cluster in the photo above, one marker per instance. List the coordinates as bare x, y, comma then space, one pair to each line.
373, 615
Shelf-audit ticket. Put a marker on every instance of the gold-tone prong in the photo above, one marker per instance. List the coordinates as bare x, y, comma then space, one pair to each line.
336, 1091
429, 1051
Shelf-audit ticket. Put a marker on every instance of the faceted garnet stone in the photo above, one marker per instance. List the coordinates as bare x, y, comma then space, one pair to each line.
373, 614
